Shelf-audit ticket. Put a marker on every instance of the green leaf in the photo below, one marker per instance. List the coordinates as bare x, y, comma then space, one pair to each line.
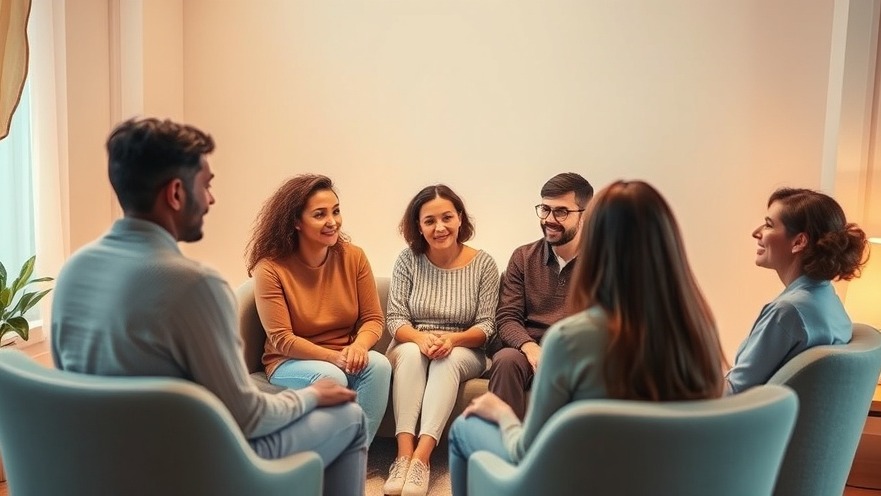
35, 298
26, 270
5, 329
21, 327
42, 279
2, 275
5, 298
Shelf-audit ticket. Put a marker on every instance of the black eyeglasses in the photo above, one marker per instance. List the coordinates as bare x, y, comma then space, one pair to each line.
559, 213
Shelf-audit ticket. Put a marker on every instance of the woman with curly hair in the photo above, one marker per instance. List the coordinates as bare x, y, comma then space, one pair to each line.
316, 296
806, 239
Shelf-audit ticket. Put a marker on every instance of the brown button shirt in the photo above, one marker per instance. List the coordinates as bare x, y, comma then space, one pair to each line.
532, 296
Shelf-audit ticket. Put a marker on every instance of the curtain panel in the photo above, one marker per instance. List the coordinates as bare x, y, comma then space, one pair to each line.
13, 57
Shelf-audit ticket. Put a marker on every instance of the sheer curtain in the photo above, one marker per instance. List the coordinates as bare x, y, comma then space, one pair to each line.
49, 144
16, 191
32, 160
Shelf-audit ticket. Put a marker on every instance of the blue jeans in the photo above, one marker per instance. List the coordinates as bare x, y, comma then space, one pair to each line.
337, 434
371, 384
468, 436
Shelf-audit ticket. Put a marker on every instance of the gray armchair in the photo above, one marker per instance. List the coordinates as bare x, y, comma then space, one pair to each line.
82, 435
731, 446
834, 385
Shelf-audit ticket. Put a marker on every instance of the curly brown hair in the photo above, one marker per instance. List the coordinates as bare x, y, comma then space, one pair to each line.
273, 235
409, 226
836, 248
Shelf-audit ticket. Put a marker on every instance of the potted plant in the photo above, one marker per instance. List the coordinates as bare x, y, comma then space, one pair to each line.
12, 305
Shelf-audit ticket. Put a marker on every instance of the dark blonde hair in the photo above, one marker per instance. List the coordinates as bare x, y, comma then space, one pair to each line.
273, 235
409, 226
663, 343
836, 248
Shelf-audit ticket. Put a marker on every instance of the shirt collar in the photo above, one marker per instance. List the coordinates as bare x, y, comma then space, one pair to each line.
151, 230
802, 282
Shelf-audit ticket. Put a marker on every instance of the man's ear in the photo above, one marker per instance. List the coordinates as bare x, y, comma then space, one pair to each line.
799, 243
175, 194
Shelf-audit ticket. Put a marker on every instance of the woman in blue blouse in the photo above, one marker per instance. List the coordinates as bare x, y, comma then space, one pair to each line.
806, 239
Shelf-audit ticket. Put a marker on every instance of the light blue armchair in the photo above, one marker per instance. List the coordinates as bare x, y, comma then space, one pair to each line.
82, 435
725, 447
835, 385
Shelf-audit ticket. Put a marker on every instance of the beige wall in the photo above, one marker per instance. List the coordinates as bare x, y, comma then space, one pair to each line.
715, 102
87, 80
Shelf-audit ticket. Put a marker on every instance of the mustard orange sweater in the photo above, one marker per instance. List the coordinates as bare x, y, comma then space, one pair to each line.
327, 305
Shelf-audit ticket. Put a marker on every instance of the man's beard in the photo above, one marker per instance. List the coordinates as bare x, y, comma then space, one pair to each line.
566, 235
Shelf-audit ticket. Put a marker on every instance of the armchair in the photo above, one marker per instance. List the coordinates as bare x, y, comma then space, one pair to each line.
81, 435
730, 446
834, 385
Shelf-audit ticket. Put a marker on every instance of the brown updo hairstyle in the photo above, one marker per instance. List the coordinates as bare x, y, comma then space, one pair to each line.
409, 226
663, 344
273, 235
836, 249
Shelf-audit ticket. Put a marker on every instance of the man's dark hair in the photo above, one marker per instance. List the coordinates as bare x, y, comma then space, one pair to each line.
563, 183
144, 154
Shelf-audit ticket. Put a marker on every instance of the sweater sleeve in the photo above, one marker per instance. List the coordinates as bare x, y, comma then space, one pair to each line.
511, 313
400, 287
488, 296
211, 349
551, 390
272, 308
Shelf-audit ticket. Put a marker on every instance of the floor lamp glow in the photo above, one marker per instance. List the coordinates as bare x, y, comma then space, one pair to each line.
863, 299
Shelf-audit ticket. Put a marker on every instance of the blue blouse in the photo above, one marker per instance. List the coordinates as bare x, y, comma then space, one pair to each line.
807, 313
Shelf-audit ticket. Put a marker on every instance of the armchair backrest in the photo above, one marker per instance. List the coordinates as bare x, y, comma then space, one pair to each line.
835, 385
727, 446
250, 329
77, 434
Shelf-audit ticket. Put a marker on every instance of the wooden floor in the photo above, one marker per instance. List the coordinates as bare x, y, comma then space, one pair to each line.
848, 491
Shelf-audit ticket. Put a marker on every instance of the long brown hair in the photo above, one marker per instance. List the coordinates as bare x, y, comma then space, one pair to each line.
273, 235
663, 343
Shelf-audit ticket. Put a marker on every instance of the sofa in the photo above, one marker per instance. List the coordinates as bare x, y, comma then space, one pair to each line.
254, 337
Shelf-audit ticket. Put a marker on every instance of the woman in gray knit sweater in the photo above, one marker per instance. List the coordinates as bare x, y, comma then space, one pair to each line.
441, 308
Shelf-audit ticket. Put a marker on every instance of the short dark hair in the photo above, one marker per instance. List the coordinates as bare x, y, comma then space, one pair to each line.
835, 248
565, 182
144, 154
409, 226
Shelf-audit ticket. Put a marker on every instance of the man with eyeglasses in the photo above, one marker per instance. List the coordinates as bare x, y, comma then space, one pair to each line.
534, 288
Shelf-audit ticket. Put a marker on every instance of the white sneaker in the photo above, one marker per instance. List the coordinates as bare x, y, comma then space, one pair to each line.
397, 473
417, 479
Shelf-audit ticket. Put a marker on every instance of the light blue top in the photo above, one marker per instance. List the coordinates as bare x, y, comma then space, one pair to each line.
130, 304
807, 313
572, 365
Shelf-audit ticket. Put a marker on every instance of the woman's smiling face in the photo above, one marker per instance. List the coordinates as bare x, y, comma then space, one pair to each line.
439, 223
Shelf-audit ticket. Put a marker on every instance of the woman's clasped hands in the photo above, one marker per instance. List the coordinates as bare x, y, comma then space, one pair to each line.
435, 345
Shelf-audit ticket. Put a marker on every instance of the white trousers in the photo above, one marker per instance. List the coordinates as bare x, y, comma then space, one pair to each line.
424, 390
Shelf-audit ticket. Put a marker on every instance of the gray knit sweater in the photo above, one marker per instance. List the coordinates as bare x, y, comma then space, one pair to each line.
429, 298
